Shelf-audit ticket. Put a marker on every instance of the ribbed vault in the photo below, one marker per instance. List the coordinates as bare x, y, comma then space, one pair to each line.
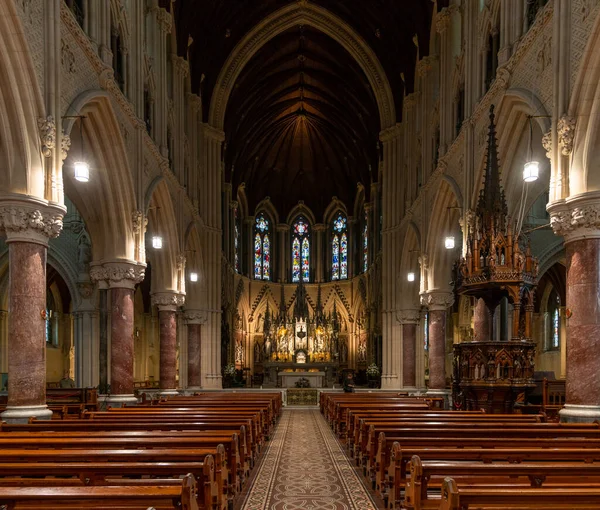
301, 124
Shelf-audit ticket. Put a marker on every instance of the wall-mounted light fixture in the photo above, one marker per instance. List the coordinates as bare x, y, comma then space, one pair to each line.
531, 169
193, 277
81, 167
157, 242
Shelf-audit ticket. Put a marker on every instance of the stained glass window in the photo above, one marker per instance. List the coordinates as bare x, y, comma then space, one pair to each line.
300, 250
266, 257
365, 246
556, 324
236, 241
344, 257
335, 258
555, 329
296, 260
339, 249
262, 249
426, 332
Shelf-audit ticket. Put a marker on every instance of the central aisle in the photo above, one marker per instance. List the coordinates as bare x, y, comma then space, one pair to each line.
305, 468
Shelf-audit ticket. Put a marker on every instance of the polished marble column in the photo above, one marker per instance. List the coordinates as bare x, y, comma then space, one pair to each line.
409, 320
168, 303
578, 220
438, 303
194, 320
481, 322
28, 224
121, 276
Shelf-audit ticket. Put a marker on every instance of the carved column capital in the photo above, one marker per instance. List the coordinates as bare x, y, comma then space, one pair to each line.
547, 144
195, 316
437, 300
30, 220
576, 217
408, 316
119, 273
566, 133
169, 300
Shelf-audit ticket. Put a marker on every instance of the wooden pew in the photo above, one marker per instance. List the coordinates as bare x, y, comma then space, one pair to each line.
232, 471
178, 495
424, 474
401, 457
459, 498
111, 473
157, 455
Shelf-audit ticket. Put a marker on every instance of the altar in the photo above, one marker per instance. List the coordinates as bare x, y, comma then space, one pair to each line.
289, 379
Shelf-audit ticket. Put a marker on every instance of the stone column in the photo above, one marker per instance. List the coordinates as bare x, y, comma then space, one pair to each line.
282, 252
437, 302
194, 320
3, 341
578, 220
122, 276
409, 320
320, 253
168, 303
481, 322
28, 224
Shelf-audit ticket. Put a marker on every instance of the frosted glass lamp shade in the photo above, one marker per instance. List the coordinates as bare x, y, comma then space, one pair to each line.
156, 242
82, 171
531, 171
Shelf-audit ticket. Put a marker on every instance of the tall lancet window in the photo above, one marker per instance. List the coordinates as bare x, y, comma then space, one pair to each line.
339, 249
262, 249
365, 244
236, 240
300, 250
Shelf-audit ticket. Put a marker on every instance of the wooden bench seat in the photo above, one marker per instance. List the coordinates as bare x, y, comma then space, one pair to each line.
459, 498
176, 495
424, 474
233, 471
15, 455
401, 456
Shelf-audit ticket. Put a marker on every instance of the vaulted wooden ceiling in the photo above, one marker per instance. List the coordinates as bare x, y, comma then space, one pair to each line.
302, 122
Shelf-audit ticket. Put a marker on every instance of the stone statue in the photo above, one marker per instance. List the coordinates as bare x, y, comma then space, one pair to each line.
84, 255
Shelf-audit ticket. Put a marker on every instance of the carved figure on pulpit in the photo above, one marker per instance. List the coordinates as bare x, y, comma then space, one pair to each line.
517, 369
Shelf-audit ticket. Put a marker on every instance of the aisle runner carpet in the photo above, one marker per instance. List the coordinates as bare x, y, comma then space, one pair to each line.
305, 468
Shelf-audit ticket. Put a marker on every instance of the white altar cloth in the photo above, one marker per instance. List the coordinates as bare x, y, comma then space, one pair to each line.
289, 379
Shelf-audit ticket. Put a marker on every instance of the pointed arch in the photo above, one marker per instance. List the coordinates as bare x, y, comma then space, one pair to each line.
21, 105
161, 221
292, 15
107, 201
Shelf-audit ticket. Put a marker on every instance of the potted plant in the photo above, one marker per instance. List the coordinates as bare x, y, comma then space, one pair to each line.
228, 375
373, 374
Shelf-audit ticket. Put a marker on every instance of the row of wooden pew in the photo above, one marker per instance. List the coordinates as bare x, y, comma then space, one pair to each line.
185, 453
417, 457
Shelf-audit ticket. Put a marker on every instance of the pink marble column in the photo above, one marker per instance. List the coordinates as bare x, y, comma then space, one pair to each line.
27, 326
168, 350
437, 349
121, 343
194, 353
168, 303
409, 338
583, 327
28, 223
481, 322
121, 277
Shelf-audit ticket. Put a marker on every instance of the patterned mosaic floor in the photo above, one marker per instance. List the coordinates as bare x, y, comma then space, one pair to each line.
305, 468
